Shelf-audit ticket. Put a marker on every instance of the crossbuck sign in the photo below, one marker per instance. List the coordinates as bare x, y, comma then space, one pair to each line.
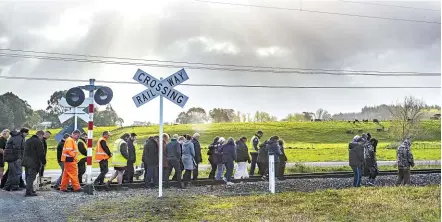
162, 88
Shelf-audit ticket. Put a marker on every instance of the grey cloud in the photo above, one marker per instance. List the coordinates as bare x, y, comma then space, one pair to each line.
309, 40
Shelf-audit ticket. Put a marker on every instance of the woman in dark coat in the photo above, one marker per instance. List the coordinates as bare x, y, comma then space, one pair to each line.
229, 156
210, 154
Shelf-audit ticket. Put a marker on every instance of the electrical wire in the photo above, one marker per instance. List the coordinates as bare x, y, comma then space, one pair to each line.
320, 12
111, 62
195, 63
224, 85
393, 6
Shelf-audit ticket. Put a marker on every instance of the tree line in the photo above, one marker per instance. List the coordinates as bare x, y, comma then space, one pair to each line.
16, 113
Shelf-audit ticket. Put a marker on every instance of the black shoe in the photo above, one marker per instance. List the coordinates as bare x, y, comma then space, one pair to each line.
17, 189
34, 191
7, 189
31, 195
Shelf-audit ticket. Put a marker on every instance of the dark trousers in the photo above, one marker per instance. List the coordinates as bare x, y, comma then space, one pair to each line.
195, 172
229, 170
41, 172
81, 170
31, 174
151, 178
253, 164
372, 173
173, 164
129, 173
175, 176
263, 168
281, 169
186, 176
357, 176
213, 170
267, 170
403, 177
14, 174
5, 178
104, 169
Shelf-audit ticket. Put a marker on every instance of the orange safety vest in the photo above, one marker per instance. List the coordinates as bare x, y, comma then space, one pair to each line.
70, 151
99, 152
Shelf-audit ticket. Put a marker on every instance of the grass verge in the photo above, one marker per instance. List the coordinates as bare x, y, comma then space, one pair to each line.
364, 204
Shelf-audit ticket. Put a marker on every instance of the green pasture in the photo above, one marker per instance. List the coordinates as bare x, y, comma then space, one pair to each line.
305, 141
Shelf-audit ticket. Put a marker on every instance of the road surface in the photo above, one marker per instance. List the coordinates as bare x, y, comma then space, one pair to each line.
54, 174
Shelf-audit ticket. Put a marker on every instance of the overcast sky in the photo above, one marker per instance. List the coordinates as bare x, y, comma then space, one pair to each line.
211, 33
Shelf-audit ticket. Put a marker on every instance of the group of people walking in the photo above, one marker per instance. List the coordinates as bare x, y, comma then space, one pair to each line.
222, 155
180, 154
362, 160
18, 153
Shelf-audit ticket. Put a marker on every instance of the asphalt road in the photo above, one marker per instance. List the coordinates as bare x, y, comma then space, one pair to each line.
54, 174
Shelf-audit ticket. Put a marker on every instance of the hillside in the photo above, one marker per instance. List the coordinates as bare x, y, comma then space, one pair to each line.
305, 141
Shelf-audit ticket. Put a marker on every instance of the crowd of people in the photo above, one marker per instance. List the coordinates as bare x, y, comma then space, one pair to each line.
181, 154
362, 160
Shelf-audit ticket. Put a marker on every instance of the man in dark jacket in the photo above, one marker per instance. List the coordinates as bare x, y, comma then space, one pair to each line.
405, 161
150, 160
274, 149
33, 160
13, 154
254, 152
46, 136
356, 159
173, 155
263, 158
60, 163
82, 157
129, 173
198, 156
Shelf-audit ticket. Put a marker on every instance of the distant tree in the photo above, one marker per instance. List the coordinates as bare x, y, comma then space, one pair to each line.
54, 109
243, 117
6, 116
107, 117
196, 115
237, 117
264, 117
219, 115
295, 117
406, 117
182, 118
33, 120
20, 109
308, 115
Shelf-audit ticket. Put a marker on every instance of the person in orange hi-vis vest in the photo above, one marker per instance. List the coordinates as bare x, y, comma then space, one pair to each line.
102, 155
69, 157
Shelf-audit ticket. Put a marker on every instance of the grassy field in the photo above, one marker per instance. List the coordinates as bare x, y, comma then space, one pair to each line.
364, 204
305, 141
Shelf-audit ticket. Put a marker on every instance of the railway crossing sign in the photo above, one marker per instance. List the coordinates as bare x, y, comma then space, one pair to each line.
162, 88
73, 112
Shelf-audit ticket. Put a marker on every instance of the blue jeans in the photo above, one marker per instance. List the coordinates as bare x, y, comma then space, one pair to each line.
219, 173
357, 176
61, 164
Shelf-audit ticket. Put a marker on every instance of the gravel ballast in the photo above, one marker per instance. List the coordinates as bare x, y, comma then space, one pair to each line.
54, 205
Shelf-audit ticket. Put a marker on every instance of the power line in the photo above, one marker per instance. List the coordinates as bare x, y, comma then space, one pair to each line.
394, 6
111, 62
223, 85
195, 63
320, 12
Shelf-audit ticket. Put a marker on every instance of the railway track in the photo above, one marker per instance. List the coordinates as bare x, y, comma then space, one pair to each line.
205, 182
